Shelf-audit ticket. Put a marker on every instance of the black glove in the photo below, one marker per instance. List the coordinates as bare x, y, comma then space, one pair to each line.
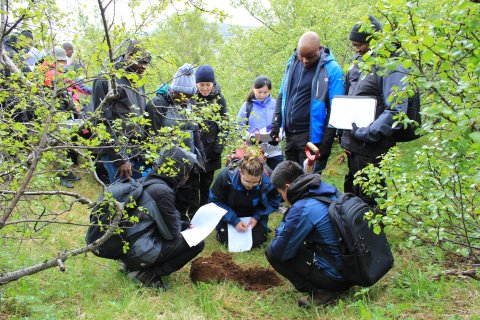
354, 128
274, 132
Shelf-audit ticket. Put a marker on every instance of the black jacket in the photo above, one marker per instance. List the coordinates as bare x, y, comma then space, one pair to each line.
130, 102
212, 142
376, 139
161, 184
164, 112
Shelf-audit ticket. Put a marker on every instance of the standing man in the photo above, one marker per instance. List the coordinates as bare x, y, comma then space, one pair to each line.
367, 144
122, 159
311, 80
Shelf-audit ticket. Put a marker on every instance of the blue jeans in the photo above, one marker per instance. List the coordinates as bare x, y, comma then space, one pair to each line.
112, 169
273, 162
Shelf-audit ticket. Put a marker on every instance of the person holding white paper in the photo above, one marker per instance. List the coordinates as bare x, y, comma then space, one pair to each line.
245, 190
151, 255
256, 113
366, 145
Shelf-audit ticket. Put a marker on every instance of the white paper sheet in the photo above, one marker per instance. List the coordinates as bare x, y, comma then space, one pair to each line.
240, 241
348, 109
203, 222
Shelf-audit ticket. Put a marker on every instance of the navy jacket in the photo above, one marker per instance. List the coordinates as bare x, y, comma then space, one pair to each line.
307, 223
228, 193
327, 83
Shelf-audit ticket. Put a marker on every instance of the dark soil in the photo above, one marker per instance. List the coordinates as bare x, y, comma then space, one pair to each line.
220, 267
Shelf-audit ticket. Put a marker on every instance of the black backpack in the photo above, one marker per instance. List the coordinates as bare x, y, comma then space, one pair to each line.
413, 113
366, 256
137, 201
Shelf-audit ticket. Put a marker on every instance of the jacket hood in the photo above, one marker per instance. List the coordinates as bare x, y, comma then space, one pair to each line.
308, 185
173, 166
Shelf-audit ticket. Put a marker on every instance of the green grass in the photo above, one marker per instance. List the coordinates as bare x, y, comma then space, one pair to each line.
93, 288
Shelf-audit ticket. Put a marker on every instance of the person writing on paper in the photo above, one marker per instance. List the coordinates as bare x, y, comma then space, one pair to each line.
311, 80
151, 256
256, 113
305, 248
366, 145
244, 190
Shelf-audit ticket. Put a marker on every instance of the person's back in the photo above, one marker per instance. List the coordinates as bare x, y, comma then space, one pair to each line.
150, 256
305, 249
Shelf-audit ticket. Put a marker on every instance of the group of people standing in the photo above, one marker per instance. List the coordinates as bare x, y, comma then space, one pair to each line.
305, 248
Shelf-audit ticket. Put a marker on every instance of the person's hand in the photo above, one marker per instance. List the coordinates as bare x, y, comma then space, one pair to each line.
124, 170
274, 135
252, 223
354, 128
241, 226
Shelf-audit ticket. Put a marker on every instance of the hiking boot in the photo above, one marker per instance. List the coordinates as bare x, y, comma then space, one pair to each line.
65, 183
72, 177
319, 298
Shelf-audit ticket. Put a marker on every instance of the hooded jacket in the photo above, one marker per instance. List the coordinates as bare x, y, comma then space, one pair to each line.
376, 139
327, 83
228, 193
161, 183
307, 223
210, 136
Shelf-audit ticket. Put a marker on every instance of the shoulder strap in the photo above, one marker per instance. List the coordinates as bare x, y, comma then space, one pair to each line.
248, 110
327, 199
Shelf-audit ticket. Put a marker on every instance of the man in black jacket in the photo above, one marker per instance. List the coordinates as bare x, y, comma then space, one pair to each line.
151, 256
367, 144
128, 104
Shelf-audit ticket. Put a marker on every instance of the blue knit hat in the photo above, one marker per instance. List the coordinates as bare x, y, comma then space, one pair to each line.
184, 80
205, 74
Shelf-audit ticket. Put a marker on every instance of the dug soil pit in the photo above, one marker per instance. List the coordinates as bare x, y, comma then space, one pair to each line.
220, 267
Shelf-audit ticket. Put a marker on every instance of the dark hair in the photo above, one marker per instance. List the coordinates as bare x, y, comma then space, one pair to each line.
259, 82
285, 173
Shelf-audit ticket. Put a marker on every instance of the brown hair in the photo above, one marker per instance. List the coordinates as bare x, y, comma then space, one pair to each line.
252, 162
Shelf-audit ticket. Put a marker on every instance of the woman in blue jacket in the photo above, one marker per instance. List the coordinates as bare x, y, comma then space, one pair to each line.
256, 114
245, 190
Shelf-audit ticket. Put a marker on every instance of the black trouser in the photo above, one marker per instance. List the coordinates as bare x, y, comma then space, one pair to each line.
296, 143
187, 197
304, 275
173, 256
259, 234
357, 162
206, 179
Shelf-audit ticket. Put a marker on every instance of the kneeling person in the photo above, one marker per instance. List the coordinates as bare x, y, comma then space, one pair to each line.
305, 248
245, 191
151, 256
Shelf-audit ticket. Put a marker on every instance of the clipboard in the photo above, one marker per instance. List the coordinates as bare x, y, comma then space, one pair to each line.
348, 109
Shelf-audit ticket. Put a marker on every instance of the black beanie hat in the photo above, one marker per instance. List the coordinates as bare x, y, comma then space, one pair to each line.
204, 74
355, 35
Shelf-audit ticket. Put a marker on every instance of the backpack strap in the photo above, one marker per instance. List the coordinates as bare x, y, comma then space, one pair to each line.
327, 199
248, 110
